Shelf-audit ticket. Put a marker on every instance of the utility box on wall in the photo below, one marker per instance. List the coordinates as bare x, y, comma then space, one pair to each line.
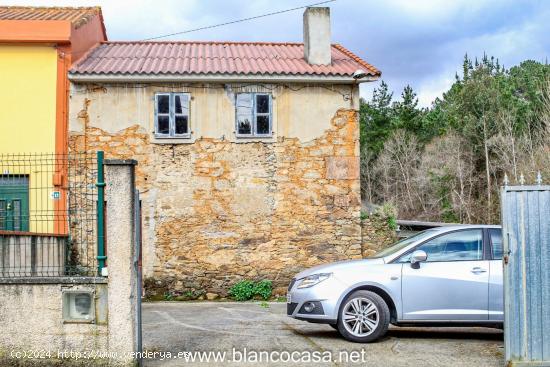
526, 261
78, 306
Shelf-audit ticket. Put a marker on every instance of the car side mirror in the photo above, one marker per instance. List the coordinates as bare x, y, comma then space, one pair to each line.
417, 257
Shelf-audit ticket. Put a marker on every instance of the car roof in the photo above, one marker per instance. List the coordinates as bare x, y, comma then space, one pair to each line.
453, 227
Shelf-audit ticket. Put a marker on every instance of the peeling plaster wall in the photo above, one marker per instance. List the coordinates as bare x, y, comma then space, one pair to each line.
216, 210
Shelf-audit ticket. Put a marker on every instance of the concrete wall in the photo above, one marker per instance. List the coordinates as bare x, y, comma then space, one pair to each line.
32, 319
217, 209
31, 308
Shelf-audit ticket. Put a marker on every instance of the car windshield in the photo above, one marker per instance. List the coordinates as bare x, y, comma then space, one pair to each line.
399, 245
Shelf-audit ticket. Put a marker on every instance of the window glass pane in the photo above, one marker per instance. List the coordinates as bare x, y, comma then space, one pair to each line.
244, 113
163, 125
496, 241
181, 106
262, 103
244, 104
244, 125
456, 246
262, 125
182, 126
16, 215
2, 214
163, 102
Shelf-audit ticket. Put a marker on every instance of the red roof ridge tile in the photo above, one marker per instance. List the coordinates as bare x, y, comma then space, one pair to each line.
21, 7
206, 42
77, 15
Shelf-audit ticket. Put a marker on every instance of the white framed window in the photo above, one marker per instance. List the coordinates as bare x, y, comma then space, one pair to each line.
172, 115
253, 113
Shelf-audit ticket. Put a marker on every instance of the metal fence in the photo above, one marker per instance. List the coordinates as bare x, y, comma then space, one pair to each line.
48, 214
526, 230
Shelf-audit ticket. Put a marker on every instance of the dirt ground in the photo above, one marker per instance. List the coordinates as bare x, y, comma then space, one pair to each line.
252, 334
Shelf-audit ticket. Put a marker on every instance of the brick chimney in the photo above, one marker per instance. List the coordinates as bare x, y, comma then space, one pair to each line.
317, 48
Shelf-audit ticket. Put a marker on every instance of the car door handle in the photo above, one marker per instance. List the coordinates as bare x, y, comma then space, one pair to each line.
478, 270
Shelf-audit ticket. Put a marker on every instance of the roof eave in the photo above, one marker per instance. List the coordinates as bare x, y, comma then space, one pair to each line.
225, 78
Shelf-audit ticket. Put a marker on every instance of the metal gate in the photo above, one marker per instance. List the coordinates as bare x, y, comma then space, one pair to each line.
526, 232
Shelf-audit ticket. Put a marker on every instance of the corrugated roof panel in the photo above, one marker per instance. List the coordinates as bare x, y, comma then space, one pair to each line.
78, 15
142, 58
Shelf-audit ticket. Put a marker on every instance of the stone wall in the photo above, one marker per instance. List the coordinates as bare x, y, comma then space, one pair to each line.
216, 211
377, 233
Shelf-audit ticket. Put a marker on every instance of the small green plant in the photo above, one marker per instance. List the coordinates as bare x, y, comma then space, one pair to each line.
280, 299
263, 289
364, 215
168, 296
242, 291
246, 289
392, 223
264, 304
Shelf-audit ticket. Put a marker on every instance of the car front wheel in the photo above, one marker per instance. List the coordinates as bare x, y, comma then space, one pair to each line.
364, 317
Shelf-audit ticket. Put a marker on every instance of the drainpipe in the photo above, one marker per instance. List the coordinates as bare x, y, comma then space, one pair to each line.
101, 257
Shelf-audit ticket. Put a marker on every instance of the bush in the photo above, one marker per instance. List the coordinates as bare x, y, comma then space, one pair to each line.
246, 289
242, 291
263, 289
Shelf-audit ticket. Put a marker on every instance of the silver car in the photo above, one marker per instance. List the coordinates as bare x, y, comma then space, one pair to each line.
447, 276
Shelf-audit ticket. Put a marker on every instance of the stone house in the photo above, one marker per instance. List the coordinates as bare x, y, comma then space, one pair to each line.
248, 151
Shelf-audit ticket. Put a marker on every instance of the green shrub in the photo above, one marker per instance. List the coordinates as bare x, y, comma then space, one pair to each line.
263, 289
392, 223
242, 291
246, 289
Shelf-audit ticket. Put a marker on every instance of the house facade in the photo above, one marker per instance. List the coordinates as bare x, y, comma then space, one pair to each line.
37, 48
248, 152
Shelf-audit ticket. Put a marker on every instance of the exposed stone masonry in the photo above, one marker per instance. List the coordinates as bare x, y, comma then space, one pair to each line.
215, 211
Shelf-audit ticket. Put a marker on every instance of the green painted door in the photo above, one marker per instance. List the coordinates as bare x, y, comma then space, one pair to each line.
14, 203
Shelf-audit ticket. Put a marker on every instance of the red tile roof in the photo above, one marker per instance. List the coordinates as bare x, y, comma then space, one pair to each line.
191, 57
77, 16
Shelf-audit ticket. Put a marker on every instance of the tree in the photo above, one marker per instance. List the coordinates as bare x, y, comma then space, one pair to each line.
492, 121
375, 119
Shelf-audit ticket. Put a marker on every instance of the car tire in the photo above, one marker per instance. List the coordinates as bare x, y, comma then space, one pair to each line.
363, 317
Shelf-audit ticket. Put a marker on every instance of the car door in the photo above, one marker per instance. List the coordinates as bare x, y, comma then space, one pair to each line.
452, 284
496, 276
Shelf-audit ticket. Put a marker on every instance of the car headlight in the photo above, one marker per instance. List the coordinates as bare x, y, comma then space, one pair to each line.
311, 280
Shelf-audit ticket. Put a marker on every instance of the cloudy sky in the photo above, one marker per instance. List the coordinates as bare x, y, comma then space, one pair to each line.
419, 42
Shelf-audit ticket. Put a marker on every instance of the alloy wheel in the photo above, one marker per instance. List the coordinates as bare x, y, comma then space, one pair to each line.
360, 316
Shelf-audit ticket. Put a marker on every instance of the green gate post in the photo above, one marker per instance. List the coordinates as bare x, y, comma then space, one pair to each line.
100, 213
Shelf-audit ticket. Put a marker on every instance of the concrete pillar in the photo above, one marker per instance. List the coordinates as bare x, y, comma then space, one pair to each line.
119, 230
317, 48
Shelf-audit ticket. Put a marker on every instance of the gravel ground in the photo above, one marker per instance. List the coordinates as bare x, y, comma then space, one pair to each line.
266, 332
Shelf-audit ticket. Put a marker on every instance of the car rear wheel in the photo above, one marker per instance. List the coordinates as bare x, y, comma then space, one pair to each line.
364, 317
